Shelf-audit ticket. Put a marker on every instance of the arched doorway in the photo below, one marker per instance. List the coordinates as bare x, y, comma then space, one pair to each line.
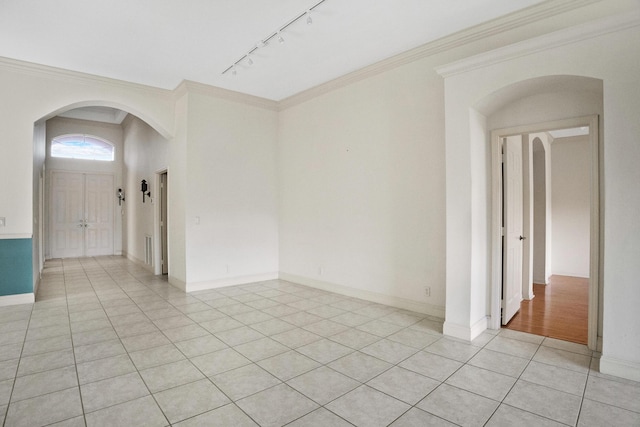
140, 151
522, 109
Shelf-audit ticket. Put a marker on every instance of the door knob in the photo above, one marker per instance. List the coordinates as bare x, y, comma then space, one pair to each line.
522, 238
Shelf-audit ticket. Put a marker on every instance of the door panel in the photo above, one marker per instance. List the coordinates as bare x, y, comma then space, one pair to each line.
163, 223
66, 221
512, 201
99, 201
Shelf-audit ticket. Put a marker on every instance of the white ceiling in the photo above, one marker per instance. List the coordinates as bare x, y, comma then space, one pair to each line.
162, 42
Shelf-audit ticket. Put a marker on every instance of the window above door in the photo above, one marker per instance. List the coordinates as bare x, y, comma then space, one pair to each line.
84, 147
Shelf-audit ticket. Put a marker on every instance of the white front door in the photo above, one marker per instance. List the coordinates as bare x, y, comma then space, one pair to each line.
99, 199
81, 215
512, 236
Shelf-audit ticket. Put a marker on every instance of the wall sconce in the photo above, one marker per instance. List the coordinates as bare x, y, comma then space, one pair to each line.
120, 195
144, 187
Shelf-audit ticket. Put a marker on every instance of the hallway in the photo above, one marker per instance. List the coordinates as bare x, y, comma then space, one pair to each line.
108, 344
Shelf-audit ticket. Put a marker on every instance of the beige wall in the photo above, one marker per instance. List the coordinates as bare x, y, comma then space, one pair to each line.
362, 188
231, 216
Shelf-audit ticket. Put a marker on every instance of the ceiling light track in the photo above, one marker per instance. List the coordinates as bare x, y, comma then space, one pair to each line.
276, 35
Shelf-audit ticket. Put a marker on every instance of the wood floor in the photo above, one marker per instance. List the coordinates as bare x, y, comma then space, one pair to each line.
559, 310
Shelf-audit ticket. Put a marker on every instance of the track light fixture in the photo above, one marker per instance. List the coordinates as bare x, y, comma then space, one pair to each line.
277, 35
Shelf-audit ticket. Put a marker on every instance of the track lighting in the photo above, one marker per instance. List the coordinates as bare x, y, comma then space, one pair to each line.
277, 35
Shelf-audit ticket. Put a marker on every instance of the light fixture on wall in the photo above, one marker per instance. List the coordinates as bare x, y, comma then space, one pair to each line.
120, 195
144, 187
275, 35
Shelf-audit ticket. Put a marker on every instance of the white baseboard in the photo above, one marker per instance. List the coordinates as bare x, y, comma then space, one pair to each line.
231, 281
139, 262
17, 299
620, 368
180, 284
462, 332
570, 274
403, 303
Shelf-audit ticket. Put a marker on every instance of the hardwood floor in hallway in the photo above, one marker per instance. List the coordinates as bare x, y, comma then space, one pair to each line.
559, 310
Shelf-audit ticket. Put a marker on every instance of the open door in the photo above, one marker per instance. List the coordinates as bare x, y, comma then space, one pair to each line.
163, 223
512, 235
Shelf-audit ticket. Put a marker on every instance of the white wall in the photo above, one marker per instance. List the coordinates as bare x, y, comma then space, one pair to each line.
571, 204
111, 132
539, 214
362, 186
231, 214
145, 153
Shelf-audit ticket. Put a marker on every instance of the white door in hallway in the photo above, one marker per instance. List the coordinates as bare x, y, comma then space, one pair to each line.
512, 235
81, 215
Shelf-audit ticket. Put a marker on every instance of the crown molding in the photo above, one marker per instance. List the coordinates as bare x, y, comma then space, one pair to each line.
61, 74
552, 40
188, 86
473, 34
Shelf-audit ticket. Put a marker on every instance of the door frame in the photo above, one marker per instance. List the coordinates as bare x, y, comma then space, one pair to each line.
496, 216
157, 245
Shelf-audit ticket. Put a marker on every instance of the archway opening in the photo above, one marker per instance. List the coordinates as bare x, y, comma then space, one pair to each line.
525, 109
111, 219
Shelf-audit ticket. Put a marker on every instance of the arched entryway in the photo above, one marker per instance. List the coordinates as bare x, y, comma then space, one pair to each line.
526, 108
140, 153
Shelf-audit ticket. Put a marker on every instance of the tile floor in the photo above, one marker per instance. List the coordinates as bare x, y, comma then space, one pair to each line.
107, 344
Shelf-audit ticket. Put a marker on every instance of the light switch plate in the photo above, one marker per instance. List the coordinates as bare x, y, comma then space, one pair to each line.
3, 221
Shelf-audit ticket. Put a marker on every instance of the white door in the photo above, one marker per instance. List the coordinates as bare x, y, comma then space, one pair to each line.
512, 236
99, 198
81, 215
164, 223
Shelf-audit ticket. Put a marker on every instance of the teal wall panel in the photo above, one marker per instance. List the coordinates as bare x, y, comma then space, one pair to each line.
16, 268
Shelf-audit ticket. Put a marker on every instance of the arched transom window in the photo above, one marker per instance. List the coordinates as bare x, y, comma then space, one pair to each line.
86, 147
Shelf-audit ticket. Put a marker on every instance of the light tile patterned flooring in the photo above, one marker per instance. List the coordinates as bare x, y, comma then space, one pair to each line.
107, 344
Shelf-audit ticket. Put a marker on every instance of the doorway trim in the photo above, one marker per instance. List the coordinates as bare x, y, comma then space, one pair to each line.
158, 217
496, 216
